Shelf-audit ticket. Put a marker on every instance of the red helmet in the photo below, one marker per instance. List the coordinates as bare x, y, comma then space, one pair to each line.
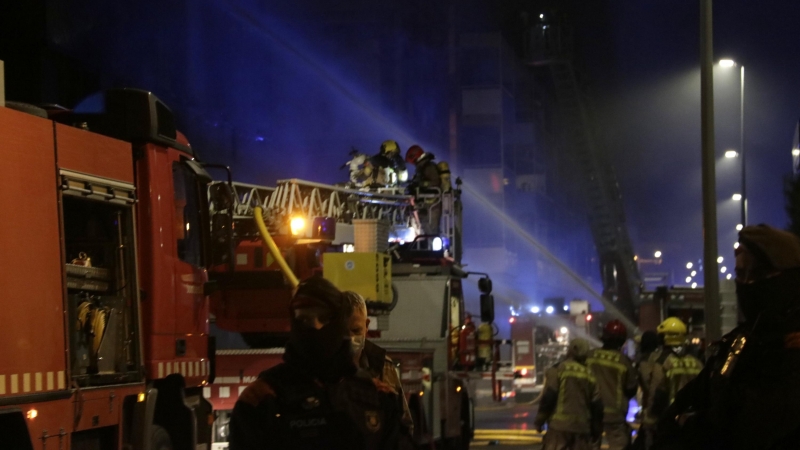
615, 330
414, 153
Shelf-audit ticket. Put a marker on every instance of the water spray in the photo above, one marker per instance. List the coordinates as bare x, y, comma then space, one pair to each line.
511, 223
248, 18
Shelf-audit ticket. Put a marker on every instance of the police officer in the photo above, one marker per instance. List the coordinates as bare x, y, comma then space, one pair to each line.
617, 381
313, 400
672, 369
426, 180
371, 360
748, 394
571, 404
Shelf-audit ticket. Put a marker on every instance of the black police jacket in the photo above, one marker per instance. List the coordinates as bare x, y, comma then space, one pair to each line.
286, 409
748, 394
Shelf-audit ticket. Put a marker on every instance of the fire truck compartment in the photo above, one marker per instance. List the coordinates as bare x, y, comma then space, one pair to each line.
101, 288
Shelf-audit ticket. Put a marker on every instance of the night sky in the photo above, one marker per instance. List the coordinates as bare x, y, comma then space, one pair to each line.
652, 96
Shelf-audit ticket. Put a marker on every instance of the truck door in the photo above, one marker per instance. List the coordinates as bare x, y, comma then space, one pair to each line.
172, 227
191, 306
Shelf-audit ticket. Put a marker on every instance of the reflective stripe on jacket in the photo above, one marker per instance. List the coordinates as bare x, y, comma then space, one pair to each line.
671, 372
577, 391
616, 381
679, 371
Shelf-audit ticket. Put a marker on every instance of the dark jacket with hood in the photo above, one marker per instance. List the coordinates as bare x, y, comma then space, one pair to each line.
748, 394
314, 400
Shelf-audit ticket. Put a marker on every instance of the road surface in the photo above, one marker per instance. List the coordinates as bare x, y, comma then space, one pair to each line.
507, 426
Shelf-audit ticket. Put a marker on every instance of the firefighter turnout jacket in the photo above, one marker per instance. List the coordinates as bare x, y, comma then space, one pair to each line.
672, 369
616, 380
286, 409
571, 401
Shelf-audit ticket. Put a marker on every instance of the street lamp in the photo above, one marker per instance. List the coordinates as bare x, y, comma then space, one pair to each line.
728, 63
731, 154
736, 197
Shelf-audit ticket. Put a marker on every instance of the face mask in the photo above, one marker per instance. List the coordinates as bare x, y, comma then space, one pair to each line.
357, 344
776, 293
317, 345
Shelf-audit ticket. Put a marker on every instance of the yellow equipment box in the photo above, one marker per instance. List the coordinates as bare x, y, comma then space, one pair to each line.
369, 274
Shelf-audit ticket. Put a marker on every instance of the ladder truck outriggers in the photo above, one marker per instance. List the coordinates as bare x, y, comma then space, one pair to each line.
366, 241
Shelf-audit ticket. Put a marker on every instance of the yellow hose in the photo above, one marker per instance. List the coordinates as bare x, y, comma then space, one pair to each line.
99, 322
273, 249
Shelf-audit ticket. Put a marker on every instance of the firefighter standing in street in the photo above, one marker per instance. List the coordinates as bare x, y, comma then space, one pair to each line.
647, 345
371, 360
617, 381
748, 394
313, 400
571, 404
427, 180
672, 368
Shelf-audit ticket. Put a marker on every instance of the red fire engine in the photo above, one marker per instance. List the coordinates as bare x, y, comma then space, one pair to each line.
120, 248
430, 340
103, 265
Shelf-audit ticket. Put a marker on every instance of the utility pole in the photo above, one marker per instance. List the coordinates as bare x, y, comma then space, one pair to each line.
741, 146
710, 251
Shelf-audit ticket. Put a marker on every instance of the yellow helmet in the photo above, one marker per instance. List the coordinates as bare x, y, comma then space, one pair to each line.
390, 147
673, 330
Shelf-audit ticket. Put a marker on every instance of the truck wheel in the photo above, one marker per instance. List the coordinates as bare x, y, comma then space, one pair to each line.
159, 439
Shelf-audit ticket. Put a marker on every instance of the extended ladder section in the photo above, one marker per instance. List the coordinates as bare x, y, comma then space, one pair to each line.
298, 198
621, 280
309, 199
550, 44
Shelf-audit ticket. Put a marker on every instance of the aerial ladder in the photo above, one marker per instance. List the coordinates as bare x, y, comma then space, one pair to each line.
307, 200
435, 351
549, 45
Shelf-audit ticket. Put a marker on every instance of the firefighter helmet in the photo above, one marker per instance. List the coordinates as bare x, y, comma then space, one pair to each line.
673, 330
615, 330
414, 154
389, 148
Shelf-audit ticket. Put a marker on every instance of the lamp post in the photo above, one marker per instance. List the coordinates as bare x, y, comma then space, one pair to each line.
741, 145
712, 311
728, 63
